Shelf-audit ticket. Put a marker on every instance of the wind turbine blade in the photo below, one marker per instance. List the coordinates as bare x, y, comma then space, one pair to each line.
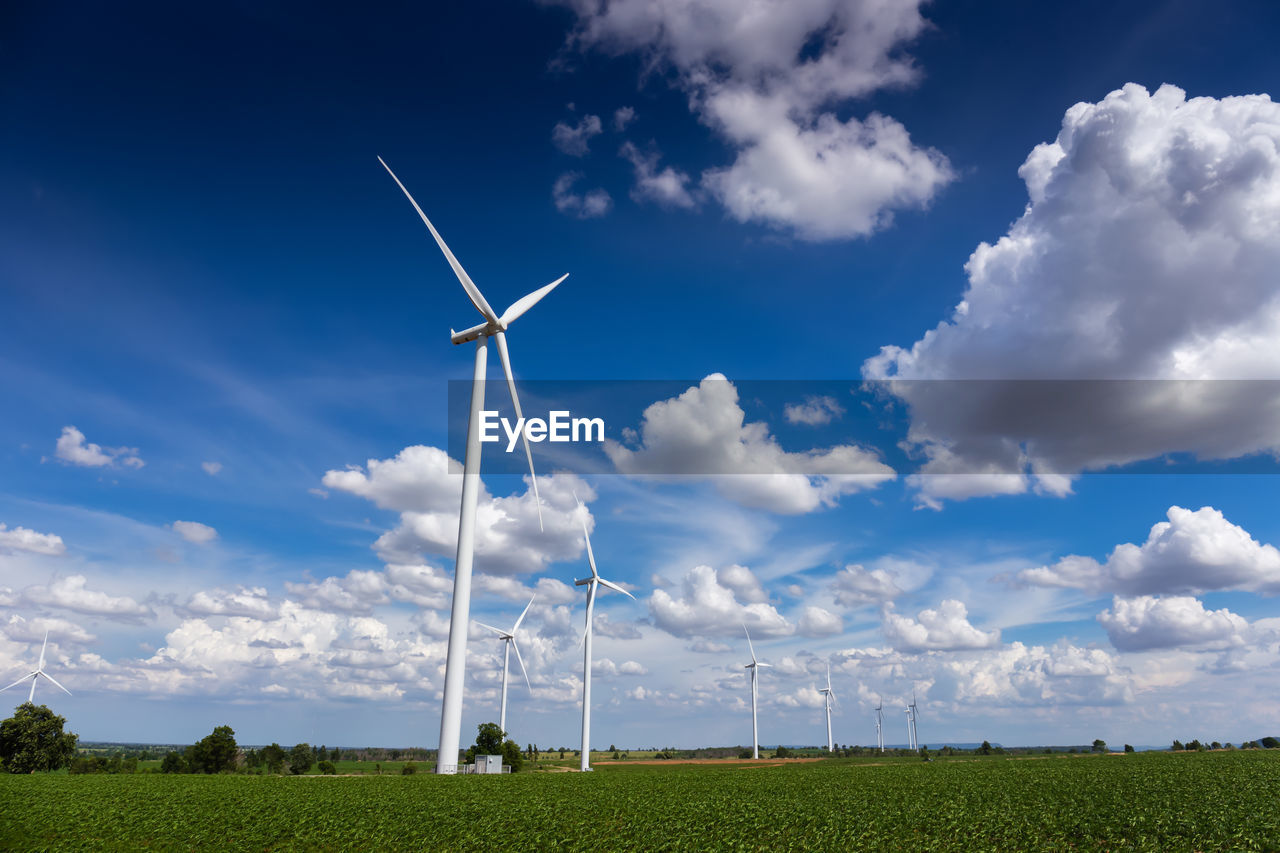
591, 557
524, 303
520, 661
40, 666
762, 663
19, 681
55, 683
491, 628
828, 676
516, 627
613, 585
749, 646
473, 292
515, 401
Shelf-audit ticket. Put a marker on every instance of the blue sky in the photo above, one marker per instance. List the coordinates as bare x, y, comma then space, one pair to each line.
210, 280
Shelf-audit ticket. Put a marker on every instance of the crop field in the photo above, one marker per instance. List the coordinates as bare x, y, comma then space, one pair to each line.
1153, 801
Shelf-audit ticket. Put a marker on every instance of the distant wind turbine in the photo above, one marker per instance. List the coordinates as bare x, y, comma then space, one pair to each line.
509, 640
753, 666
591, 583
828, 697
915, 717
37, 674
460, 615
880, 724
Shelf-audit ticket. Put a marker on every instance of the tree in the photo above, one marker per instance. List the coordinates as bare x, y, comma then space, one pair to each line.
1177, 745
33, 739
273, 756
511, 756
782, 752
216, 752
1128, 747
489, 738
1099, 745
409, 769
300, 759
326, 767
1269, 743
985, 749
173, 763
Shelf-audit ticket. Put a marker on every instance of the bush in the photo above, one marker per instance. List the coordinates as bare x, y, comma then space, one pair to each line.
327, 768
409, 769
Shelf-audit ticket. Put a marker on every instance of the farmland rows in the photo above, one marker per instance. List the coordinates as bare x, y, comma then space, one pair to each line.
1214, 801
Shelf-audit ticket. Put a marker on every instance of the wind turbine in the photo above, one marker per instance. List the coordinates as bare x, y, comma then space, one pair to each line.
911, 732
591, 583
459, 616
753, 666
37, 674
880, 724
915, 716
509, 639
828, 697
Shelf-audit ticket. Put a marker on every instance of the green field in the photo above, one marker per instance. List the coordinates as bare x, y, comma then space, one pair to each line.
1152, 801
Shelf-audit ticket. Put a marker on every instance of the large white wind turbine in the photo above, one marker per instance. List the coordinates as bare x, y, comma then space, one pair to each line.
591, 583
37, 674
509, 640
828, 697
915, 716
493, 326
753, 666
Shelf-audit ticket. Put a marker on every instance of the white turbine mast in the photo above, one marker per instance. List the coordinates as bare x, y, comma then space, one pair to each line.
828, 698
753, 666
880, 724
911, 737
915, 717
591, 583
509, 641
37, 674
460, 614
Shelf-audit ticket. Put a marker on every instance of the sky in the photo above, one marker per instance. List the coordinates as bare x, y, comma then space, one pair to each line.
935, 343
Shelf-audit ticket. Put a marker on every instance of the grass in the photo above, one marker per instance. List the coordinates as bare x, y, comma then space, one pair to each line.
1152, 801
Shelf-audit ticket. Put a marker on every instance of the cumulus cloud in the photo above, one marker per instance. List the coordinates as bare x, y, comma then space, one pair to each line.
1192, 552
704, 433
33, 631
768, 83
1147, 622
667, 187
72, 593
855, 586
22, 539
814, 411
1019, 675
1146, 254
195, 532
74, 450
606, 627
423, 484
944, 629
707, 606
249, 602
573, 139
817, 622
360, 590
592, 204
623, 117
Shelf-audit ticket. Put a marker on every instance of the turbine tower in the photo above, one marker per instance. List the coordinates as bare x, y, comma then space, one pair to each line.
460, 612
509, 639
591, 583
880, 725
753, 666
828, 698
37, 674
915, 716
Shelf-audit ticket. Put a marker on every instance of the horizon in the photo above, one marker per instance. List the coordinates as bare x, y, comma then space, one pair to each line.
932, 343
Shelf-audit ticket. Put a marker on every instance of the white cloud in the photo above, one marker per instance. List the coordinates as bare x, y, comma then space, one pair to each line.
1147, 622
422, 483
1192, 552
71, 593
606, 667
703, 433
768, 80
73, 449
606, 627
33, 630
574, 139
1019, 675
708, 607
944, 629
249, 602
195, 532
668, 187
592, 204
211, 468
814, 411
22, 539
623, 117
817, 622
855, 586
1147, 251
